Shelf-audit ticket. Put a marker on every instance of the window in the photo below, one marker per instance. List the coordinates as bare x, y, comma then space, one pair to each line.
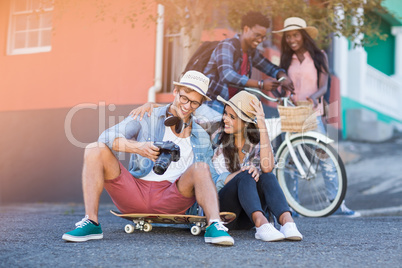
30, 28
172, 62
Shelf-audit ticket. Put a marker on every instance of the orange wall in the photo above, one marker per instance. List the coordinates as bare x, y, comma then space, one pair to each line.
90, 62
217, 34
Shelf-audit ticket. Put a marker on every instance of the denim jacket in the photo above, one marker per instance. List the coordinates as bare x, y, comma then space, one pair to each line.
152, 128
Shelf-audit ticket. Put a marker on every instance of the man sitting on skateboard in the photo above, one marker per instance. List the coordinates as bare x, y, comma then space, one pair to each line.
139, 189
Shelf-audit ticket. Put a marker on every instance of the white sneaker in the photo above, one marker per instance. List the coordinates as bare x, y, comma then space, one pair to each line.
268, 233
289, 230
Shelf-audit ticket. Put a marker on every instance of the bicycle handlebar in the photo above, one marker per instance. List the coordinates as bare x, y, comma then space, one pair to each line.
254, 90
285, 100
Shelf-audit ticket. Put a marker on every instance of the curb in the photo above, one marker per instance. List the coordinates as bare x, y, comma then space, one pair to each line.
390, 211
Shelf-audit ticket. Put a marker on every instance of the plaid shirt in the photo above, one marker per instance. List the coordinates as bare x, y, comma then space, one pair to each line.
222, 70
251, 151
251, 155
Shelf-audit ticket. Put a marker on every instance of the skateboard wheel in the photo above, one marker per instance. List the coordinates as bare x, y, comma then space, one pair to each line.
147, 227
129, 229
195, 230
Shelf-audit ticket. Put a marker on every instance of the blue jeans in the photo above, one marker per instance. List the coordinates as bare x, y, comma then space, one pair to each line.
330, 174
329, 171
243, 196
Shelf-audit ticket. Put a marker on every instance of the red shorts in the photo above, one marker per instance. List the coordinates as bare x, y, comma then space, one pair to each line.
132, 195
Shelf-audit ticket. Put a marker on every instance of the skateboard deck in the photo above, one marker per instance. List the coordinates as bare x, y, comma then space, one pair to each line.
144, 221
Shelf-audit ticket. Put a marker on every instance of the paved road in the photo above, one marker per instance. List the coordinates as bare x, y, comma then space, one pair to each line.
373, 171
30, 236
374, 176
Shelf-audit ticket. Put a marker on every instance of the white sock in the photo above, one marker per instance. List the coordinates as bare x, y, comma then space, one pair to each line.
214, 220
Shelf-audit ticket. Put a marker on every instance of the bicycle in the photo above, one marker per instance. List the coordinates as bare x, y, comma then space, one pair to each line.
307, 167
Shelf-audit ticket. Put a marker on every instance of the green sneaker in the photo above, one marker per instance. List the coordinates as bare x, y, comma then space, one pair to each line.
217, 234
85, 231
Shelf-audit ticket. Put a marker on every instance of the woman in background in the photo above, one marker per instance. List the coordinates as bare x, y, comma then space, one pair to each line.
307, 66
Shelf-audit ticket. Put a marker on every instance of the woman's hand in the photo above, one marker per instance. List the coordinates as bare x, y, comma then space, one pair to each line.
286, 82
255, 173
145, 108
292, 99
313, 100
259, 113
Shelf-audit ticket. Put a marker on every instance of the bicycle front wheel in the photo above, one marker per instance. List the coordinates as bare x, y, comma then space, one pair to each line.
321, 191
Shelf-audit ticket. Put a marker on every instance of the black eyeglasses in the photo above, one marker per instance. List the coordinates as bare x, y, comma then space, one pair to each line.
259, 36
194, 104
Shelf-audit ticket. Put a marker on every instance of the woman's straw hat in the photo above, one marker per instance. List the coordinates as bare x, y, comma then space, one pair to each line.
295, 23
241, 104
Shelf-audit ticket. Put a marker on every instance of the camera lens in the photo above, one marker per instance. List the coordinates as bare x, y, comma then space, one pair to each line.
158, 169
162, 163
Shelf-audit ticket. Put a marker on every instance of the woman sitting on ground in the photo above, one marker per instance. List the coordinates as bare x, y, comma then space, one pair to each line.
245, 160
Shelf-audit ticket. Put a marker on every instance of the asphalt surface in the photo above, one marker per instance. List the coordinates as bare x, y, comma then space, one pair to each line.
374, 172
30, 234
374, 176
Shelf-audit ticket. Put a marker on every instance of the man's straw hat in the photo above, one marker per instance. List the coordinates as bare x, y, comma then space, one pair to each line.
195, 81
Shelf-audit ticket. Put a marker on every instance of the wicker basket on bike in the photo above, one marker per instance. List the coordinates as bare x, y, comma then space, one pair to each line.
299, 118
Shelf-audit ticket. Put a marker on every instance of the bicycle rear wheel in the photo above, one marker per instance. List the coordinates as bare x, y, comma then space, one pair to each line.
323, 189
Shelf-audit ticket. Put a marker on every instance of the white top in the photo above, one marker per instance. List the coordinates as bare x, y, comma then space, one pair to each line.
219, 163
175, 169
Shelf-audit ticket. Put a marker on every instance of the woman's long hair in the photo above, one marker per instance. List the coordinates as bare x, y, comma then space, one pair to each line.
229, 149
309, 44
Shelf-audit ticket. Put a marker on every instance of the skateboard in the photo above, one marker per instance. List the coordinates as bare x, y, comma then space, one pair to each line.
143, 221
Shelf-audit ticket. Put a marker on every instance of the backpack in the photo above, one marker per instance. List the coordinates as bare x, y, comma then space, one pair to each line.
201, 56
328, 93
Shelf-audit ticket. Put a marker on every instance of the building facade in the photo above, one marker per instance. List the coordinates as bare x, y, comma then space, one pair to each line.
370, 79
69, 71
65, 76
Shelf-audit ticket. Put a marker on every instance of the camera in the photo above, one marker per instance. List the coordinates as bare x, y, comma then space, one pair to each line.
169, 152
